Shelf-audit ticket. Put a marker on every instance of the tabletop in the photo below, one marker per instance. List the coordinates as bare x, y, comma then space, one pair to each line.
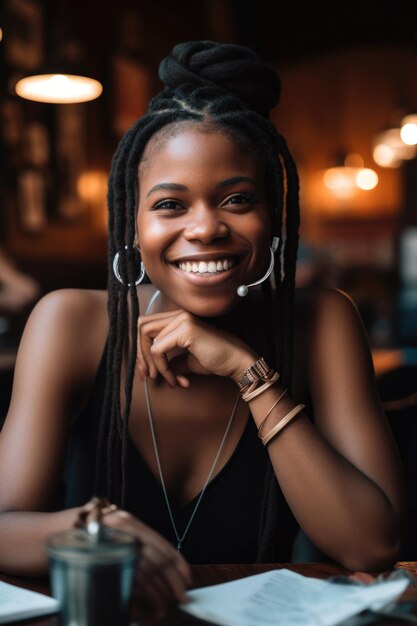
204, 575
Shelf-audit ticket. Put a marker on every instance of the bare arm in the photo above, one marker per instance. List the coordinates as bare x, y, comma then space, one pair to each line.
342, 476
23, 539
51, 367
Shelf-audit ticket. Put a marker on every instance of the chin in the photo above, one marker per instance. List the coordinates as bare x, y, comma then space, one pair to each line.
210, 306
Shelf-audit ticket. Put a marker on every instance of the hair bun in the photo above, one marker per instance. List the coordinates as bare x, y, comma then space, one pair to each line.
232, 68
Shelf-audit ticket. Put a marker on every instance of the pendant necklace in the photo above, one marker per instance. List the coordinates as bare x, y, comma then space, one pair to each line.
180, 538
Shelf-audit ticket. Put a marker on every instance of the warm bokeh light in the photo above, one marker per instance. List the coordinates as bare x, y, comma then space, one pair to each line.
92, 189
344, 181
389, 149
366, 179
385, 156
337, 178
58, 88
409, 130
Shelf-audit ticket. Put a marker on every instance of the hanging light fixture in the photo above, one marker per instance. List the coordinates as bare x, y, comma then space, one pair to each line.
58, 86
349, 176
62, 78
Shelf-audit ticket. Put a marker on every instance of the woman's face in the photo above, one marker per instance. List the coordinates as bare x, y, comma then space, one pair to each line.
203, 223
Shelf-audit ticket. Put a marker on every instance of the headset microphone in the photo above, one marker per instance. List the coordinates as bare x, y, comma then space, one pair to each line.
242, 290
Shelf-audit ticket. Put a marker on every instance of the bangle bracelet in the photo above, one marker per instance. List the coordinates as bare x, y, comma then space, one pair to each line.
261, 425
249, 395
285, 420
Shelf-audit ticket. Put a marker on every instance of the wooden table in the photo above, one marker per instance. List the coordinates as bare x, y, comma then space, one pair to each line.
211, 574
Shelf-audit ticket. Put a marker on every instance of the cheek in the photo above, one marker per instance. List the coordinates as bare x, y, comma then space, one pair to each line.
154, 238
260, 232
151, 235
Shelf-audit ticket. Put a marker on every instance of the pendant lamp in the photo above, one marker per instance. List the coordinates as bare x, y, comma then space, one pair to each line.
62, 78
58, 85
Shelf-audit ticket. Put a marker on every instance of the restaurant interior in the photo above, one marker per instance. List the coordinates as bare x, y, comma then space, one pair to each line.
348, 111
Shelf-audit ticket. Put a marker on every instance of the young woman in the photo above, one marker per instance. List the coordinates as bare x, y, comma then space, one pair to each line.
219, 408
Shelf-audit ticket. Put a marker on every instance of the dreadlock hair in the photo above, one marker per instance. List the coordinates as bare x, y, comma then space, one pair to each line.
227, 87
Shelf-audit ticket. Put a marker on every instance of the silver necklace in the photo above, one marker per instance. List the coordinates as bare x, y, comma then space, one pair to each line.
180, 538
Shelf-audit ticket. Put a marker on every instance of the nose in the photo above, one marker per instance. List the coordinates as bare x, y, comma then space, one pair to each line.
206, 225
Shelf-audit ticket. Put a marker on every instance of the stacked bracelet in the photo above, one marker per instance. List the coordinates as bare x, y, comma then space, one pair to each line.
283, 422
262, 424
259, 372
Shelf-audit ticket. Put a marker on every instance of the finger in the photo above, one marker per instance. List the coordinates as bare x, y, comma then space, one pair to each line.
144, 358
182, 380
141, 364
152, 330
162, 364
147, 331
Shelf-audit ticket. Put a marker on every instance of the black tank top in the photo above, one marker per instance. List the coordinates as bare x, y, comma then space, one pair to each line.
226, 524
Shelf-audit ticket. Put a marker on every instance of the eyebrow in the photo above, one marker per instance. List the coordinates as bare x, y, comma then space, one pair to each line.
168, 187
224, 183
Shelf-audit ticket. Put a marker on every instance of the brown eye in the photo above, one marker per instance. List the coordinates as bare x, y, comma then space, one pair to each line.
169, 205
240, 199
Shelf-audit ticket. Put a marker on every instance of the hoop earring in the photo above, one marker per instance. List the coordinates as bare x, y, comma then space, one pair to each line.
117, 273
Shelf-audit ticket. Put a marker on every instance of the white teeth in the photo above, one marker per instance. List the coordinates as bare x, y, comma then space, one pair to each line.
210, 267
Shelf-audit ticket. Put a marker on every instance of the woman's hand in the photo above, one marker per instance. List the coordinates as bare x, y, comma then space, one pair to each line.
163, 575
177, 342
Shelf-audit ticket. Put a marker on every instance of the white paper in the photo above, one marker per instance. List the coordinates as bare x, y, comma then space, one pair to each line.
282, 597
17, 604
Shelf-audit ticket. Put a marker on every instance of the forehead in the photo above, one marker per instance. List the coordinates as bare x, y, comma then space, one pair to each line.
194, 147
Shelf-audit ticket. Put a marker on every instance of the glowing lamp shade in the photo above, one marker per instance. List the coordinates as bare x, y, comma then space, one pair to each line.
58, 88
409, 130
389, 149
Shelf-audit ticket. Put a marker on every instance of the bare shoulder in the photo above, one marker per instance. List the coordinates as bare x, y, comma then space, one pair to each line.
74, 307
319, 295
327, 305
70, 301
331, 337
68, 321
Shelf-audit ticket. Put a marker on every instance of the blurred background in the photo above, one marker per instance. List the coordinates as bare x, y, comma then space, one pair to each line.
348, 111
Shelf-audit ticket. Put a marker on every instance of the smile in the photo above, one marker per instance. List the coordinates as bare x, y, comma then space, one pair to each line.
208, 268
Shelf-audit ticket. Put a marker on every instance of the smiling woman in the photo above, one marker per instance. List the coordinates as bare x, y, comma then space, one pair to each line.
204, 224
221, 410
